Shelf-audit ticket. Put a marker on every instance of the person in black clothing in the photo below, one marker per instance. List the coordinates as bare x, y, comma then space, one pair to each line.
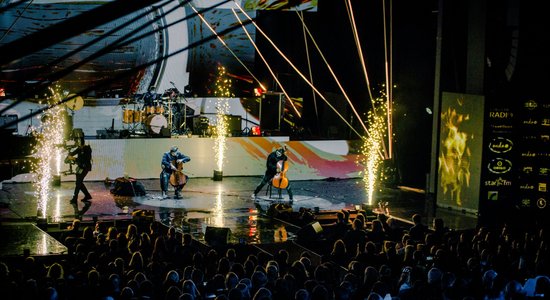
168, 164
82, 157
272, 169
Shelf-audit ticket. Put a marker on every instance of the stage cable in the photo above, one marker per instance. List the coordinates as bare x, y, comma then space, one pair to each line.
16, 20
267, 65
299, 73
120, 42
306, 46
388, 63
223, 42
123, 74
116, 29
11, 5
362, 60
351, 16
100, 38
335, 77
67, 28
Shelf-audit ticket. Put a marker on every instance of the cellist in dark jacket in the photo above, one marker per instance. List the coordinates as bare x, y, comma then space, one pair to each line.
271, 170
169, 161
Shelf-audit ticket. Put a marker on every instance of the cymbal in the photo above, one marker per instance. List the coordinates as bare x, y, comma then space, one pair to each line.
127, 101
75, 102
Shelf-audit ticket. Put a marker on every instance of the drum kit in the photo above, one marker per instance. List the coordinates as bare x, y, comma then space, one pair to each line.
150, 113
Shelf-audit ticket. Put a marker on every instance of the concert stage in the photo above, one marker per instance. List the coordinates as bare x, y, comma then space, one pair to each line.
207, 204
325, 178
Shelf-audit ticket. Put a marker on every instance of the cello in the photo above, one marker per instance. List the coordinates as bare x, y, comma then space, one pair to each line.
280, 180
178, 178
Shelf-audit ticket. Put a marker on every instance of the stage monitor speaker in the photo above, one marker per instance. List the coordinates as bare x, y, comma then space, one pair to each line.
6, 119
309, 233
200, 125
165, 132
234, 125
271, 111
217, 236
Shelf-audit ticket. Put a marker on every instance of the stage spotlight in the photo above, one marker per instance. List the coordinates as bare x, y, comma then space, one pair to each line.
258, 92
256, 131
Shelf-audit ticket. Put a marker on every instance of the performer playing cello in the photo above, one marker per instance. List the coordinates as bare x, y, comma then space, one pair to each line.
169, 164
273, 168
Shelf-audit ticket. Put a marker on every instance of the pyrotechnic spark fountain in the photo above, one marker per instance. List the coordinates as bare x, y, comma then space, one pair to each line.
47, 151
371, 148
223, 91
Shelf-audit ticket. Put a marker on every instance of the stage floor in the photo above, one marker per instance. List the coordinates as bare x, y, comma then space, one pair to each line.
226, 203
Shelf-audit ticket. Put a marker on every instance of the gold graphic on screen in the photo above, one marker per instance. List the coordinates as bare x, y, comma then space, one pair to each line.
454, 157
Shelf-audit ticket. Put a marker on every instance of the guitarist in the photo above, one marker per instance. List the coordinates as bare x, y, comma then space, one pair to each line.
272, 170
168, 164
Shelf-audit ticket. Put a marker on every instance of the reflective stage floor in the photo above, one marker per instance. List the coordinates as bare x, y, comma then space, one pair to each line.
226, 203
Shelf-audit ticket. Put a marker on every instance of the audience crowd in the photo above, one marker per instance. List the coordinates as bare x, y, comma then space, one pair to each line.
369, 258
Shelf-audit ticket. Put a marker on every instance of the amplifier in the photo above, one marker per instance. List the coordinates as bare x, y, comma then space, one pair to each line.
271, 111
6, 119
200, 125
234, 125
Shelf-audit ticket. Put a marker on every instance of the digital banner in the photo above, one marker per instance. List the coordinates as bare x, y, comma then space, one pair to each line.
460, 151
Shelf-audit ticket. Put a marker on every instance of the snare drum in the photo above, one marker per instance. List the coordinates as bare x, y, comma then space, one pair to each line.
155, 123
127, 116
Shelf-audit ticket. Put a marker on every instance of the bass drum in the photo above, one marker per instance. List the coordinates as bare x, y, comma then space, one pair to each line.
155, 123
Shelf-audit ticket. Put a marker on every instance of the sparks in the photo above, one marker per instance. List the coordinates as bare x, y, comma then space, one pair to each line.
372, 145
222, 91
47, 152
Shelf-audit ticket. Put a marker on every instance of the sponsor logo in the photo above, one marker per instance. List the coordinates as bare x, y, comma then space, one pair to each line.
541, 203
500, 114
502, 126
545, 122
545, 138
530, 104
529, 122
542, 187
527, 187
525, 202
527, 170
528, 154
492, 195
499, 166
498, 182
500, 145
543, 171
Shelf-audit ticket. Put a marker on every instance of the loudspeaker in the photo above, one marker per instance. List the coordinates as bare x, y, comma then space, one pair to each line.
217, 236
6, 119
200, 125
271, 111
311, 232
165, 132
234, 125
